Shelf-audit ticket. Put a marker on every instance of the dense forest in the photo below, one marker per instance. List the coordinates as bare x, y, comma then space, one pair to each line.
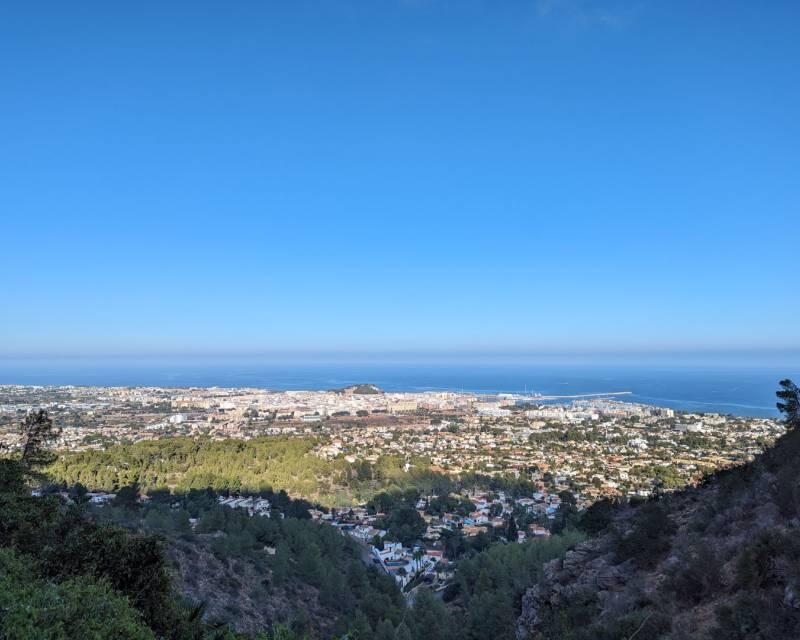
251, 572
182, 464
260, 465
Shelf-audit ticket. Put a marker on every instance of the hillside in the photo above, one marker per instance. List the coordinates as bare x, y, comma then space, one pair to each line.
252, 573
360, 389
67, 574
721, 560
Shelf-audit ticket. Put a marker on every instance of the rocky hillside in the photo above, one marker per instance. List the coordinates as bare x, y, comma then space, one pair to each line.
721, 560
240, 594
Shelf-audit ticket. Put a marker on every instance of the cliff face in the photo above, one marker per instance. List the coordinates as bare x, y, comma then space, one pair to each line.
718, 561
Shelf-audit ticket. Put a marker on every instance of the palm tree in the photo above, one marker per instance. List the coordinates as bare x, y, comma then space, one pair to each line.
418, 555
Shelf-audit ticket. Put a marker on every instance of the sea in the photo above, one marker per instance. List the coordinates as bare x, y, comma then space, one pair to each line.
744, 391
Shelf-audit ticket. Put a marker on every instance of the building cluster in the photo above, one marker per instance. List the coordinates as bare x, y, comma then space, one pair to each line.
254, 506
427, 558
598, 446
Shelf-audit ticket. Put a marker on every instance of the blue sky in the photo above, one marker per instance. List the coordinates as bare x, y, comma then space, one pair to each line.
399, 176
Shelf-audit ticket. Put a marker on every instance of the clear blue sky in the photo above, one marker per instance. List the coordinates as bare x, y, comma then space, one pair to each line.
399, 175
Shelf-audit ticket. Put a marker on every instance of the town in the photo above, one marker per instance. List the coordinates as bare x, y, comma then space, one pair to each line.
596, 447
579, 451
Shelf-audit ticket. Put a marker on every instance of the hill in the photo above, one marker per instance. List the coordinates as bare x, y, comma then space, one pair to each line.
252, 573
721, 560
360, 389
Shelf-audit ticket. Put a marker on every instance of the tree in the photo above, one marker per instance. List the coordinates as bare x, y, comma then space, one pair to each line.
567, 497
430, 617
333, 590
360, 628
790, 407
418, 555
127, 497
597, 517
37, 433
454, 544
405, 525
511, 531
403, 632
79, 493
667, 477
696, 573
80, 607
565, 517
280, 564
12, 477
384, 630
649, 538
310, 564
212, 520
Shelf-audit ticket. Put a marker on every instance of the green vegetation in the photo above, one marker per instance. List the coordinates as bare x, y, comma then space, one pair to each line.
80, 607
718, 561
316, 561
649, 539
183, 464
489, 585
64, 576
53, 553
403, 524
74, 570
364, 388
449, 504
276, 560
262, 465
71, 570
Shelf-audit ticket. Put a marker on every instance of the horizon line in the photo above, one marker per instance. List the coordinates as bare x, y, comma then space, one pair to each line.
432, 356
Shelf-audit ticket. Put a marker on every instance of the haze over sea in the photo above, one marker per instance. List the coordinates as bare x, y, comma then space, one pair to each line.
746, 390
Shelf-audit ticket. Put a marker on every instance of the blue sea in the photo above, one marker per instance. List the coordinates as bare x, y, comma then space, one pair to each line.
746, 391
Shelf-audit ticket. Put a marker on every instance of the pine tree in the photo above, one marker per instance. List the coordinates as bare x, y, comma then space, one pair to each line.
790, 407
37, 433
360, 628
403, 632
511, 531
280, 564
384, 631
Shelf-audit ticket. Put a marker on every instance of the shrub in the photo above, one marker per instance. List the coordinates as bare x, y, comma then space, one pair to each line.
755, 567
597, 517
650, 537
753, 617
697, 574
77, 608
